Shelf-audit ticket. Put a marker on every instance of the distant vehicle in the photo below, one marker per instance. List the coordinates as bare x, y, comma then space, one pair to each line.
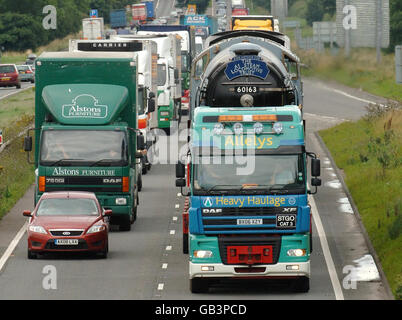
68, 221
9, 76
93, 28
221, 12
26, 73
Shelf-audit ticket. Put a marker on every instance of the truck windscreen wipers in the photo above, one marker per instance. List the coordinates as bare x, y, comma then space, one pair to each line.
63, 160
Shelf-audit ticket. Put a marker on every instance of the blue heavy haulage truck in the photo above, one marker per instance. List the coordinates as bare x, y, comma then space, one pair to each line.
248, 215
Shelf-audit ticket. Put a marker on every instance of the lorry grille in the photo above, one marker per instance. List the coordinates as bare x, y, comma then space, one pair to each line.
247, 219
94, 184
249, 241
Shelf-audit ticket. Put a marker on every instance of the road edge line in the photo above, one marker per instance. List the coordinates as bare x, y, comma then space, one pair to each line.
13, 244
327, 252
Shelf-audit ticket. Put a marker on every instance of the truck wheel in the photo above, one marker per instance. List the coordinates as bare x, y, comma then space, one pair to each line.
185, 243
199, 285
125, 223
301, 285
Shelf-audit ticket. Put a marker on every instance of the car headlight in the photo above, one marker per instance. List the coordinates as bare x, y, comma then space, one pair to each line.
96, 228
37, 229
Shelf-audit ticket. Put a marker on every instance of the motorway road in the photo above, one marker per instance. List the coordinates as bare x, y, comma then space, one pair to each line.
8, 91
147, 262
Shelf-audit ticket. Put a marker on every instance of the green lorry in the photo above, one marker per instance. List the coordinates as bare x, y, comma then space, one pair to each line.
86, 135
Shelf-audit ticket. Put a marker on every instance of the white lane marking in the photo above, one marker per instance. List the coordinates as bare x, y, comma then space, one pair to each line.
174, 218
366, 269
172, 232
164, 266
168, 248
15, 92
177, 206
327, 253
160, 286
335, 184
345, 205
13, 244
349, 95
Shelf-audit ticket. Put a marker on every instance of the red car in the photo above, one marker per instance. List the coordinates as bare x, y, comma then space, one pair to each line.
68, 221
9, 76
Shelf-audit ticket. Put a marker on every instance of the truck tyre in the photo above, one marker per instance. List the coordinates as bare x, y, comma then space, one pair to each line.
199, 285
301, 285
185, 243
125, 223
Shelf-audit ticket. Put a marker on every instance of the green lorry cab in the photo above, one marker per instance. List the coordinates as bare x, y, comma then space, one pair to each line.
86, 135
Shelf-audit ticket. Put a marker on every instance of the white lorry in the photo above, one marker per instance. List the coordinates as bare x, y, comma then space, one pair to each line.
169, 75
93, 29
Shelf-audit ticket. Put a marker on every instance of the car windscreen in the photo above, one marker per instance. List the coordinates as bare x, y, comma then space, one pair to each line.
23, 68
67, 207
7, 69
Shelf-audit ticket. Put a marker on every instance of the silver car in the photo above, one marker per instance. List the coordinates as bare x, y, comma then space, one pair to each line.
26, 73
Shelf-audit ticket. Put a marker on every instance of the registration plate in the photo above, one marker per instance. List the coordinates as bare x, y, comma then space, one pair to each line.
66, 242
248, 222
5, 79
286, 221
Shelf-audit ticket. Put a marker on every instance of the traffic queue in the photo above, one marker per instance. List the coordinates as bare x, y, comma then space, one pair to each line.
101, 106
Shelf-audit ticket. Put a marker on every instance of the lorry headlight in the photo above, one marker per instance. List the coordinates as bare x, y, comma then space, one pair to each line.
238, 128
258, 128
121, 201
203, 254
296, 252
277, 127
218, 128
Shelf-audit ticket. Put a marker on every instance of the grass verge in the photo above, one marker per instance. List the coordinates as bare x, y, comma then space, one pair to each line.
369, 152
16, 175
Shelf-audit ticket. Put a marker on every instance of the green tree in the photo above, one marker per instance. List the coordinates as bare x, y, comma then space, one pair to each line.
395, 24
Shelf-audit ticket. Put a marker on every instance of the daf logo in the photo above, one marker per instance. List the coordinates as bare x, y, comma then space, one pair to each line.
207, 202
289, 209
211, 210
66, 233
112, 180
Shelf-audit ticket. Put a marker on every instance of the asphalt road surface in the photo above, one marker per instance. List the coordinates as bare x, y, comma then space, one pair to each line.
9, 91
147, 262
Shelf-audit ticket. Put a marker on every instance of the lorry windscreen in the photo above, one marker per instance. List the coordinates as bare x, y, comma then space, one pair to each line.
87, 147
161, 74
254, 174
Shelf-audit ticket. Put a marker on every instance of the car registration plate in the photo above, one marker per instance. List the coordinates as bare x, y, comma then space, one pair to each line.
5, 79
247, 222
66, 242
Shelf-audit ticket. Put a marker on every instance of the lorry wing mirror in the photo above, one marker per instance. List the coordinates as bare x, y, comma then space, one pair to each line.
180, 171
28, 144
151, 105
176, 73
140, 142
151, 95
180, 182
315, 167
315, 182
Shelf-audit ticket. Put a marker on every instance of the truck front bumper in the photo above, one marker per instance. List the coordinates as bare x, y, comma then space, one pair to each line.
278, 270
